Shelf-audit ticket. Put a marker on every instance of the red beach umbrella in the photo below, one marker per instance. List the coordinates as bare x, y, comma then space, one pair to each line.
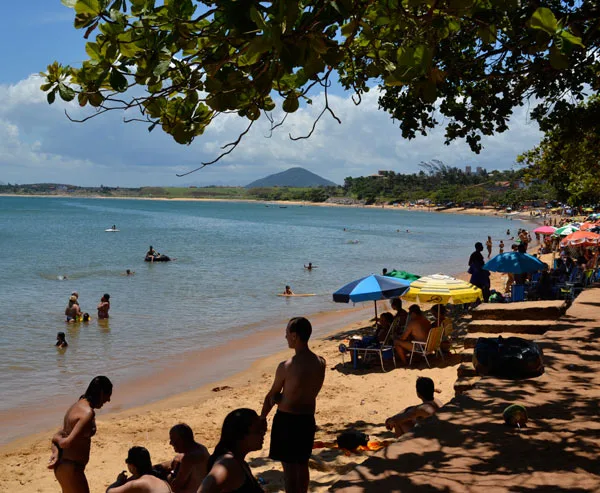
581, 238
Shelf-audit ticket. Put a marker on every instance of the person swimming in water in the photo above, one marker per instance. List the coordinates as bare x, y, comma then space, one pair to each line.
310, 266
288, 291
61, 342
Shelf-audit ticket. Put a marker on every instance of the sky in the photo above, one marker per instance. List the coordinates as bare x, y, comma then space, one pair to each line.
39, 144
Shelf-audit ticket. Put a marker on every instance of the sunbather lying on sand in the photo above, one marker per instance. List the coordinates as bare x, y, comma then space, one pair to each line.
406, 420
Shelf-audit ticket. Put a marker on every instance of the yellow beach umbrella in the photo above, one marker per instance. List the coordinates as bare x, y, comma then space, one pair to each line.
438, 288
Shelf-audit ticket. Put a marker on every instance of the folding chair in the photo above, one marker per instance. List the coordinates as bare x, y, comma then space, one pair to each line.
430, 346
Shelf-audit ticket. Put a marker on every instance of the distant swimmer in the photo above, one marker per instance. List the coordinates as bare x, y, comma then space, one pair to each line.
288, 291
62, 278
85, 317
129, 272
310, 266
61, 342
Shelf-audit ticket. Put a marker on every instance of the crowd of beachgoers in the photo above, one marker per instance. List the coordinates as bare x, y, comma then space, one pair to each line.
295, 385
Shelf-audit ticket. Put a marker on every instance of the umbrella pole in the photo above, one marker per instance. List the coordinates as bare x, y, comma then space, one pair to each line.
375, 311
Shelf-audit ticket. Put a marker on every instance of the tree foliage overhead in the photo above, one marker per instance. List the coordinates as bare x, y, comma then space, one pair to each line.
569, 155
182, 63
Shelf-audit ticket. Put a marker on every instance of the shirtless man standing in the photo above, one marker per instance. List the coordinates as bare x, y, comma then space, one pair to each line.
297, 384
189, 467
417, 330
405, 421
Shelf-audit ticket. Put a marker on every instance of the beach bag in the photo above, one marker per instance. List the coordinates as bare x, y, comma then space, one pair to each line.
351, 440
512, 357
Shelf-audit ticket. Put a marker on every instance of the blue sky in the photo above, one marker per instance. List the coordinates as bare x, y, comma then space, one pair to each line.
39, 144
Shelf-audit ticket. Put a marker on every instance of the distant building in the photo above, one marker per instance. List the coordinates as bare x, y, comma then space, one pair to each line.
479, 170
467, 170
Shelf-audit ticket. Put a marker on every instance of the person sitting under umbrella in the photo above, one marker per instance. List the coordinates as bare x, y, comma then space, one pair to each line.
417, 330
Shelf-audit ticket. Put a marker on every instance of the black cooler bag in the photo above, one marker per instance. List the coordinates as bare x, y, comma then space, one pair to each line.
512, 357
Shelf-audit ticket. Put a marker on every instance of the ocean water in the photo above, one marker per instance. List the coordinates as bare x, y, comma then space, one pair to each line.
231, 261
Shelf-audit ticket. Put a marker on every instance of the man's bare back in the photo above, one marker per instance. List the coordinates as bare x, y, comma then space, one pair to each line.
191, 470
304, 374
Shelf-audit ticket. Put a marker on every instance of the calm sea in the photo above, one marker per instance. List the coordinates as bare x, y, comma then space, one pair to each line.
231, 261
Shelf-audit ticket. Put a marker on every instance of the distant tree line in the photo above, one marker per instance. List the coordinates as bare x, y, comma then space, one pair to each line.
440, 184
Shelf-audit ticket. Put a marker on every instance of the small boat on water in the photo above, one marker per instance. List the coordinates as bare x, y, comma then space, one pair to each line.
111, 230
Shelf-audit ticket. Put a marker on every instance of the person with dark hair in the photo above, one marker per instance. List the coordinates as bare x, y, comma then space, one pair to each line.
479, 276
71, 445
187, 470
406, 420
288, 291
488, 245
103, 306
142, 479
243, 431
417, 330
61, 342
295, 388
383, 327
399, 323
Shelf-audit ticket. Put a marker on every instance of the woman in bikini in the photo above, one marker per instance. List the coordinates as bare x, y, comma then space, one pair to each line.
243, 431
71, 445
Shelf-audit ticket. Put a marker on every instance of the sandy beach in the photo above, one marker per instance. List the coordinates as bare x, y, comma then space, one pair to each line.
350, 399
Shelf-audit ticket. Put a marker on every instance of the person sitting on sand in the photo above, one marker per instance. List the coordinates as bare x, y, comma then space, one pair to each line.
417, 330
383, 327
405, 421
61, 342
103, 306
142, 479
288, 291
188, 469
243, 431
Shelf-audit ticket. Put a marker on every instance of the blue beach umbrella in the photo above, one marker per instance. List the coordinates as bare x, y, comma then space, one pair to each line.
514, 263
371, 288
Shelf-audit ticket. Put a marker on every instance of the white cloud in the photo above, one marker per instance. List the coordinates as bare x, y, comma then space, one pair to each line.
38, 143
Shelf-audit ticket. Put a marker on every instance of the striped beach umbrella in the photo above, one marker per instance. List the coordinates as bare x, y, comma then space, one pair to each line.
438, 288
581, 238
566, 230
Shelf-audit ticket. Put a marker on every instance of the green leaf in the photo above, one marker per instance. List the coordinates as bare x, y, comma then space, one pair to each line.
93, 51
487, 34
569, 38
118, 81
66, 93
69, 3
90, 7
291, 103
544, 20
51, 96
161, 67
46, 87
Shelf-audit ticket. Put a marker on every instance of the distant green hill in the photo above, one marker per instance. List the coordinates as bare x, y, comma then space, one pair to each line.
293, 177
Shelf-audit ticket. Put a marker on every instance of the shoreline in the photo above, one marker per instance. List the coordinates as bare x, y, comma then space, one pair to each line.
177, 375
522, 216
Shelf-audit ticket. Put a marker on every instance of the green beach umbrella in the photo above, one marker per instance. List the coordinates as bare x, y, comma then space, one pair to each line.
402, 274
566, 230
